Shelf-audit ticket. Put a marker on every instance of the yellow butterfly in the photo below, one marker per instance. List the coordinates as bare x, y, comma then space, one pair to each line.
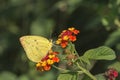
36, 47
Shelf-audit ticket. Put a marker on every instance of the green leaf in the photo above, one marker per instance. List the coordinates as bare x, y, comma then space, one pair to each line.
105, 22
75, 77
115, 65
100, 53
86, 60
23, 77
118, 2
67, 76
100, 77
113, 39
86, 78
5, 75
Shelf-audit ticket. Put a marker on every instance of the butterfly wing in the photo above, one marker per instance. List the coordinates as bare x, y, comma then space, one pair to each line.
36, 47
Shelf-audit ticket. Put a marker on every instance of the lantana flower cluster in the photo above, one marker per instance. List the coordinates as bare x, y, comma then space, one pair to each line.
46, 62
111, 74
66, 36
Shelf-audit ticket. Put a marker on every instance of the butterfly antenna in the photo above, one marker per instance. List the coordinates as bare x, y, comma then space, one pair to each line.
55, 45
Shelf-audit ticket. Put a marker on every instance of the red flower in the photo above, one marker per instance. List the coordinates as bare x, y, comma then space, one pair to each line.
66, 32
111, 74
115, 73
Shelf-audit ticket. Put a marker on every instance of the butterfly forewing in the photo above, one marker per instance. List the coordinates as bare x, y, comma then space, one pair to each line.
36, 47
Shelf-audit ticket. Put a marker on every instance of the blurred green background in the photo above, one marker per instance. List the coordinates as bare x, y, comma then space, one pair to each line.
97, 20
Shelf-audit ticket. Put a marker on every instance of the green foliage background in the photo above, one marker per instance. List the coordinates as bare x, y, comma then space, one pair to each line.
97, 20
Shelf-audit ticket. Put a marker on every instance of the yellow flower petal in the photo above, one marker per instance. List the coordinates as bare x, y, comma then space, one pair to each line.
50, 61
44, 63
71, 29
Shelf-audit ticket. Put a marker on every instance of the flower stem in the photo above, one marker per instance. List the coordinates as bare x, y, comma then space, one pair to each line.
86, 72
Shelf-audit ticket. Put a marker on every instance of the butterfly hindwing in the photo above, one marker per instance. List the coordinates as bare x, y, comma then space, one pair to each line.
36, 47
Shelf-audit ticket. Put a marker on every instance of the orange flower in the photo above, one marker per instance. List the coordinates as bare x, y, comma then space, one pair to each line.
46, 62
43, 63
50, 62
58, 41
55, 53
76, 32
51, 56
71, 29
38, 64
66, 36
48, 67
72, 38
64, 44
56, 59
39, 67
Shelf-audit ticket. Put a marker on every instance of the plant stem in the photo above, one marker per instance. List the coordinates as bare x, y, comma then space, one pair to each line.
81, 68
63, 70
73, 49
86, 72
